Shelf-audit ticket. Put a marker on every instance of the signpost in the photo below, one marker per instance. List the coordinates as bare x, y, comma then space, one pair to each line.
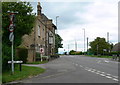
41, 52
11, 36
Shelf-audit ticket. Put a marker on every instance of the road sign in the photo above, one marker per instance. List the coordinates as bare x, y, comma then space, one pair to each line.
11, 27
11, 37
41, 50
15, 62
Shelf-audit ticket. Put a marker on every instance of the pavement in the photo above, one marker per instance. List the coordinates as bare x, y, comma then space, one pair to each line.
76, 69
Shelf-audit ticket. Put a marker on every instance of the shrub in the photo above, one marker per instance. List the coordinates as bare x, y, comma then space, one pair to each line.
54, 56
6, 56
22, 54
37, 55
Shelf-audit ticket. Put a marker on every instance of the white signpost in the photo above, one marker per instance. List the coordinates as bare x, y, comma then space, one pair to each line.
11, 37
41, 52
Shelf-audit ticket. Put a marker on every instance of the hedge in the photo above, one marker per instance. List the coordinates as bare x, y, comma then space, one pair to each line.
22, 54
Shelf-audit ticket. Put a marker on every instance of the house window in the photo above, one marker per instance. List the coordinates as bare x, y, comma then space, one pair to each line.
38, 31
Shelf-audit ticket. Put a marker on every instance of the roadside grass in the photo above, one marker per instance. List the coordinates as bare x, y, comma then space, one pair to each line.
38, 62
27, 72
0, 79
99, 56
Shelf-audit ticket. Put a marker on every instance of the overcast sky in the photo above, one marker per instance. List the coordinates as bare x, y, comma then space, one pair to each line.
97, 17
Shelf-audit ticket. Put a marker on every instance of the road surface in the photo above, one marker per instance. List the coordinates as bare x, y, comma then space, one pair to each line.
77, 69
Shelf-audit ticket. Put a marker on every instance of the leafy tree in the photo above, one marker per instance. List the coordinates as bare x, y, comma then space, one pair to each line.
72, 52
58, 42
98, 46
24, 22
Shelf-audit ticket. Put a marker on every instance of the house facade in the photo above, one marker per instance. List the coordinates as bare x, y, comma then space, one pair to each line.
42, 36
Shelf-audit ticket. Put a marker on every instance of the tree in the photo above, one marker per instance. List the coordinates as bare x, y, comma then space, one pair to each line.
24, 22
72, 52
58, 42
99, 45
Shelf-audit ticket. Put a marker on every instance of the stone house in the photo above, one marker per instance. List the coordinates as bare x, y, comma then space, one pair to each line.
42, 36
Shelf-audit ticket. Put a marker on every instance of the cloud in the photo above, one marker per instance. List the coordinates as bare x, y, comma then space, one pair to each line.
97, 17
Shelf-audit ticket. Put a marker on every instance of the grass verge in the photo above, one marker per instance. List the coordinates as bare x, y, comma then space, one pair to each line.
38, 62
26, 72
99, 56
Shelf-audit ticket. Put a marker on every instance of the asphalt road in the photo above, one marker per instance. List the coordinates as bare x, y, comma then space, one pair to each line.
77, 69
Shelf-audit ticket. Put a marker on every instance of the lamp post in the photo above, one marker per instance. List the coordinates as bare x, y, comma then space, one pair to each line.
56, 22
84, 40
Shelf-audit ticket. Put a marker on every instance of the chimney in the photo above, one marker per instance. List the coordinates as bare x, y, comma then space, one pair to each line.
39, 8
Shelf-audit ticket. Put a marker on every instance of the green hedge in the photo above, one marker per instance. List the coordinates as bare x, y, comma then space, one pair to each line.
54, 56
22, 54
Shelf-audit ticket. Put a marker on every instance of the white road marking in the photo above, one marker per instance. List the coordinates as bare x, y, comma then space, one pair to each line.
81, 66
97, 73
115, 79
106, 61
93, 71
108, 74
102, 74
76, 64
108, 77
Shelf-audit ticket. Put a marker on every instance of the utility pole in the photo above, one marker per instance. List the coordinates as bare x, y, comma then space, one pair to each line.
75, 45
87, 45
108, 42
84, 41
68, 49
108, 37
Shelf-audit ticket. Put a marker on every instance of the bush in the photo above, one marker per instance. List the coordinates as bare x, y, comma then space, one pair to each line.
22, 54
6, 56
54, 56
37, 55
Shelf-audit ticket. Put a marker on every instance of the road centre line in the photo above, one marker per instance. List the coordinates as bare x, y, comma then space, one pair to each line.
108, 77
115, 79
104, 74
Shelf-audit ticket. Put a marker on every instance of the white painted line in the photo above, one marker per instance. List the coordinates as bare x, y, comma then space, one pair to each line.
108, 74
93, 71
102, 74
97, 73
108, 77
115, 79
106, 61
89, 70
76, 64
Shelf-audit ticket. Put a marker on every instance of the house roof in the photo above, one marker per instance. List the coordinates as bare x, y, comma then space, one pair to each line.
44, 17
54, 26
116, 47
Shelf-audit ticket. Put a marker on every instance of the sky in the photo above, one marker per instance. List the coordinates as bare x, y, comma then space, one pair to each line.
97, 17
